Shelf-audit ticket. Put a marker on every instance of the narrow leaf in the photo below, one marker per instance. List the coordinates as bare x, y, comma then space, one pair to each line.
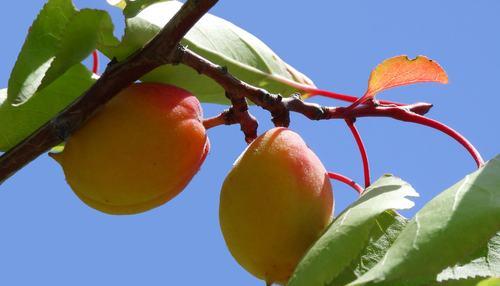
449, 228
216, 39
39, 49
402, 70
86, 30
17, 122
349, 233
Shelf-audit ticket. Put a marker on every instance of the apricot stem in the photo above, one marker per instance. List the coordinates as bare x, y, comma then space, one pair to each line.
248, 123
346, 180
362, 150
214, 121
95, 62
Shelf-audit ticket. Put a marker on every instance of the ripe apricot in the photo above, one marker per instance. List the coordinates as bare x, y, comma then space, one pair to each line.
275, 202
139, 151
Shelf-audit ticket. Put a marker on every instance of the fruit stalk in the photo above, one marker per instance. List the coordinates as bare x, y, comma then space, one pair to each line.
247, 122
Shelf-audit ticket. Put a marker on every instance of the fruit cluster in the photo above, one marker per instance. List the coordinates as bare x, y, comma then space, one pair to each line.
146, 144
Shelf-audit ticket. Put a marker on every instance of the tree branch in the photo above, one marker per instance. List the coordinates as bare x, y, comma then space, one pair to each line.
239, 111
117, 76
280, 107
248, 123
237, 114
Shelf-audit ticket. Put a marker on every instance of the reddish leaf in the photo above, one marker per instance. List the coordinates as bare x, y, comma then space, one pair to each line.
402, 70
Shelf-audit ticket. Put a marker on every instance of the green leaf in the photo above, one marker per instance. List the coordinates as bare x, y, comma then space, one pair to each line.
450, 227
117, 3
39, 49
132, 8
490, 282
484, 263
18, 122
468, 282
463, 282
135, 7
87, 29
388, 226
60, 38
218, 40
349, 233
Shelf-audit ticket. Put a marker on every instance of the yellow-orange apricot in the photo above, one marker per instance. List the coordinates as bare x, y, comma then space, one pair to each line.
275, 202
139, 151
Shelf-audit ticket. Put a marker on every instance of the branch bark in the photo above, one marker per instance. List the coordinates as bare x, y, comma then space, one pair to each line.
117, 76
237, 114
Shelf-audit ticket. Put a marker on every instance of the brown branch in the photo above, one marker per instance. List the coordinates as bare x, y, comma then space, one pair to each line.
280, 107
218, 120
239, 111
247, 122
117, 76
237, 114
232, 85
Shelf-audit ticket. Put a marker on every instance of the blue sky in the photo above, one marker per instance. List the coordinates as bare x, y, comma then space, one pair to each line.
48, 237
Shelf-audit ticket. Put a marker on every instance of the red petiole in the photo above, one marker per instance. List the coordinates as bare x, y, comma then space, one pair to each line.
95, 62
422, 120
362, 151
345, 180
407, 116
343, 97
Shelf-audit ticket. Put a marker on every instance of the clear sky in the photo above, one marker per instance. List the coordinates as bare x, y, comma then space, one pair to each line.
49, 237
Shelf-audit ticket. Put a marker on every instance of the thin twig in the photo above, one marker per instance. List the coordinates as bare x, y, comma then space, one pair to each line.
247, 122
239, 110
218, 120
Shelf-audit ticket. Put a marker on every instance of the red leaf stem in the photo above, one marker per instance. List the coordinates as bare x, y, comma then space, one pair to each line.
345, 180
362, 151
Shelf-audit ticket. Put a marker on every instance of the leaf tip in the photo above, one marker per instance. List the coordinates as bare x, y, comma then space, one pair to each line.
117, 3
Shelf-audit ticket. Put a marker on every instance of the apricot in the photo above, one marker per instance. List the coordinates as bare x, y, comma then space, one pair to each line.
275, 202
138, 152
